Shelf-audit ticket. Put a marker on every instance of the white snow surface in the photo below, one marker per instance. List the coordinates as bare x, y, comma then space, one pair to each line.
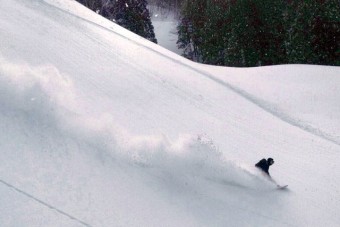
99, 127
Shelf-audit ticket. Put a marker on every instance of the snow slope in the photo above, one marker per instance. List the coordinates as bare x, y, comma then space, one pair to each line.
99, 127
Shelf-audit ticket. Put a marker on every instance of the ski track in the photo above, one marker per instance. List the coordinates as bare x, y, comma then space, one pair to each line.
257, 102
44, 203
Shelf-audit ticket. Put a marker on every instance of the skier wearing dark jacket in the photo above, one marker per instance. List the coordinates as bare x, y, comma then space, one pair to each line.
264, 164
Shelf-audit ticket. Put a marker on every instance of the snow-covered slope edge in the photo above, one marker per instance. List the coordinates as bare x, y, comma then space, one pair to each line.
313, 106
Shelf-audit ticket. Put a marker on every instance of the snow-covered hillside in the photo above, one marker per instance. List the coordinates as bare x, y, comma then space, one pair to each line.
99, 127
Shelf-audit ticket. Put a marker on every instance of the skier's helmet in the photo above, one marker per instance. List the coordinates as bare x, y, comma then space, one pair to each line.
270, 161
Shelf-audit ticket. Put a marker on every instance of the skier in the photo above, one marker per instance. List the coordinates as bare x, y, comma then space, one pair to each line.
264, 164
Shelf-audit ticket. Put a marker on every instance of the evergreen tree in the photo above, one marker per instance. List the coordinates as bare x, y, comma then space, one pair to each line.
325, 33
256, 33
214, 42
190, 29
262, 32
132, 15
271, 34
298, 27
313, 32
94, 5
243, 38
184, 39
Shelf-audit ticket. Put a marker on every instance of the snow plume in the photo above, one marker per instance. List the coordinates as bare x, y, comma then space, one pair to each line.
48, 100
60, 149
39, 91
43, 98
188, 158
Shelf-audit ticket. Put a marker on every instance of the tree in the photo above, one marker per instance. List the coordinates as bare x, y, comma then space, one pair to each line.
215, 30
313, 32
261, 32
94, 5
132, 15
325, 33
191, 28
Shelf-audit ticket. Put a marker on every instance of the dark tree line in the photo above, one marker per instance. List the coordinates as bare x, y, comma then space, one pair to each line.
130, 14
95, 5
260, 32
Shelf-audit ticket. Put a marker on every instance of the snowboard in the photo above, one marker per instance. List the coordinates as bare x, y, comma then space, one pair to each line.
282, 186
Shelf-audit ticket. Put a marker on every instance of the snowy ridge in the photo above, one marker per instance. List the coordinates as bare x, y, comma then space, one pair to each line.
279, 113
280, 80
